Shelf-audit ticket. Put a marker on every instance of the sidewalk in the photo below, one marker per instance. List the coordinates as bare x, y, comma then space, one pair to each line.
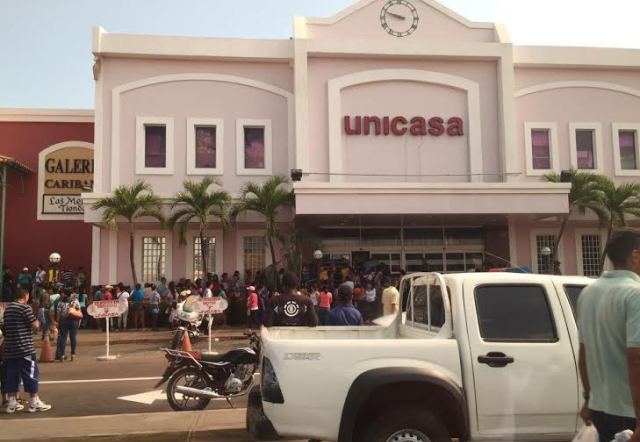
92, 337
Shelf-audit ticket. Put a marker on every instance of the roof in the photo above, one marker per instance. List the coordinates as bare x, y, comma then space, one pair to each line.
14, 164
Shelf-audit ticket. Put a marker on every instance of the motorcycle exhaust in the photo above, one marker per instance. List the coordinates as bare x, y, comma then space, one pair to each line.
198, 392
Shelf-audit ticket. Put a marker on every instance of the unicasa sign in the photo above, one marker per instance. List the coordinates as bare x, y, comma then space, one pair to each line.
400, 125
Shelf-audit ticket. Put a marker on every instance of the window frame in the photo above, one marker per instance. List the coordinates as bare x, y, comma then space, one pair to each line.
597, 145
552, 317
241, 123
616, 128
534, 251
141, 123
553, 147
218, 123
240, 249
217, 234
138, 251
578, 233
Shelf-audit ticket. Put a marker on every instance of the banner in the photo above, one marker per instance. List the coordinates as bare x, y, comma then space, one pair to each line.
106, 309
212, 306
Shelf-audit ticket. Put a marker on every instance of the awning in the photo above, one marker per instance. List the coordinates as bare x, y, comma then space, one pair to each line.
315, 198
14, 164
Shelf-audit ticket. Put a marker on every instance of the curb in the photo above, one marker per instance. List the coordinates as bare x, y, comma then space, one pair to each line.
95, 343
227, 435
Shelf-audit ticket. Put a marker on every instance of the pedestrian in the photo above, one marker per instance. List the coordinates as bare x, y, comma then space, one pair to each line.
609, 334
154, 307
123, 298
68, 316
81, 279
19, 355
370, 301
83, 300
344, 313
390, 298
325, 298
25, 280
252, 308
43, 311
54, 298
138, 307
66, 277
170, 303
290, 309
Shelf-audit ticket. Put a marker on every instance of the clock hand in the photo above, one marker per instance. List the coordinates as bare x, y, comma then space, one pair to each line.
392, 14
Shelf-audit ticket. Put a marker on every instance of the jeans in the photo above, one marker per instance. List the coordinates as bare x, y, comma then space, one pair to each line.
608, 424
138, 315
122, 320
67, 327
44, 321
322, 315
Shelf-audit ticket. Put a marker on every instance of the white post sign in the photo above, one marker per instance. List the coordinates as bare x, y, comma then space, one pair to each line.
211, 306
106, 310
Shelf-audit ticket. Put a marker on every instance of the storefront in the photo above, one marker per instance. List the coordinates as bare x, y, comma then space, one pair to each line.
422, 138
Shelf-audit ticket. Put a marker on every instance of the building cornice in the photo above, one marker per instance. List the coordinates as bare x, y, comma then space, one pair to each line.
47, 115
311, 188
576, 57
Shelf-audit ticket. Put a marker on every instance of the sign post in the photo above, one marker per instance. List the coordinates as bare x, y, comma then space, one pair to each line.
211, 306
106, 310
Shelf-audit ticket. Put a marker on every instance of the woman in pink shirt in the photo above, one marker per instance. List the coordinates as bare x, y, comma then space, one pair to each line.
252, 308
324, 304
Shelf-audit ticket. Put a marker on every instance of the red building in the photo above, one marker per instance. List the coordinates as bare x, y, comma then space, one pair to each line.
42, 210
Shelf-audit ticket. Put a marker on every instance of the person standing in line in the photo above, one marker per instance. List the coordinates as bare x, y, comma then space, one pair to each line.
154, 307
43, 311
290, 309
123, 298
252, 308
138, 307
344, 313
325, 298
107, 295
609, 335
370, 301
25, 280
67, 278
83, 301
390, 298
19, 355
68, 317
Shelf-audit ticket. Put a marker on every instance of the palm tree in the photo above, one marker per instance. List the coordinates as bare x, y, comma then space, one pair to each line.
130, 202
266, 200
616, 202
584, 194
196, 202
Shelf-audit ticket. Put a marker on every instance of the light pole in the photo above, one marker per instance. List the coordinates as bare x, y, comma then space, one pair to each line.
546, 253
317, 256
54, 259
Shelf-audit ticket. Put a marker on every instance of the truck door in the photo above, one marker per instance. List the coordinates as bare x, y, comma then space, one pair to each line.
523, 365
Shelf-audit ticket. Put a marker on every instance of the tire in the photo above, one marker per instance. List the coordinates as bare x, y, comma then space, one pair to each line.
187, 377
407, 425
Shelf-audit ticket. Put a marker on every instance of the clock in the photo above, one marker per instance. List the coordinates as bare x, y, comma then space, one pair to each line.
399, 18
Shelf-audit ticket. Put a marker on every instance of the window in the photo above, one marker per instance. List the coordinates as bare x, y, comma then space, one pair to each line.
573, 293
210, 247
628, 158
204, 146
391, 260
253, 147
541, 148
435, 262
544, 261
254, 254
514, 313
427, 307
585, 149
590, 255
154, 249
586, 146
154, 146
625, 149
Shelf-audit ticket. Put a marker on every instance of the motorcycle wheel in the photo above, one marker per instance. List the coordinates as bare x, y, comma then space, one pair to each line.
187, 377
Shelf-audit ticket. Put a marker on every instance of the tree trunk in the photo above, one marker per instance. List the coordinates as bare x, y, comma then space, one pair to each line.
604, 248
554, 254
272, 250
133, 266
204, 252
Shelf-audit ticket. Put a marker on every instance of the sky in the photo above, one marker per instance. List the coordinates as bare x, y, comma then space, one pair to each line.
45, 45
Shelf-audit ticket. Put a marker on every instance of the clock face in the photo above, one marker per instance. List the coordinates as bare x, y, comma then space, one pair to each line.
399, 18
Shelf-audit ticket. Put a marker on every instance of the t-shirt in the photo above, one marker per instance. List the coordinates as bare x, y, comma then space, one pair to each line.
155, 298
370, 295
608, 324
18, 339
344, 315
63, 307
252, 301
123, 297
291, 310
138, 297
358, 293
390, 296
324, 299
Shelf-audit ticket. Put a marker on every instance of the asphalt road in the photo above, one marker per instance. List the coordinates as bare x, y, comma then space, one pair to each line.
88, 387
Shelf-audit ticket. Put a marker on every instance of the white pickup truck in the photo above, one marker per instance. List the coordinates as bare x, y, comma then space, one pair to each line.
475, 356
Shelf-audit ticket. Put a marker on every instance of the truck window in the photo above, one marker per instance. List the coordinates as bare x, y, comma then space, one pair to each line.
514, 313
427, 308
573, 293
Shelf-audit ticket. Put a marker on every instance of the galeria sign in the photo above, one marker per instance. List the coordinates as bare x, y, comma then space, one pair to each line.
416, 126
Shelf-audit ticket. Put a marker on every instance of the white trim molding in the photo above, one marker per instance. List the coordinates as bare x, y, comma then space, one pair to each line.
553, 147
141, 125
577, 234
241, 235
216, 123
241, 124
533, 233
617, 164
96, 277
471, 88
41, 158
577, 84
137, 251
191, 235
598, 155
117, 92
47, 115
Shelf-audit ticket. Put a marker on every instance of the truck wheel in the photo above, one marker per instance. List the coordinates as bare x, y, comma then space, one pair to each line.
407, 425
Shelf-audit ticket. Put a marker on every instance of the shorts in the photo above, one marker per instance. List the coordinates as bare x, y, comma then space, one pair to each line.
15, 369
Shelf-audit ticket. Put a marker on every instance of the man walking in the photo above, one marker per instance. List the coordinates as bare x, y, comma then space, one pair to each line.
19, 354
609, 331
290, 308
390, 298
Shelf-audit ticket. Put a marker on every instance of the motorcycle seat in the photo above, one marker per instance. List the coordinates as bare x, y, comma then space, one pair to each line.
237, 355
213, 357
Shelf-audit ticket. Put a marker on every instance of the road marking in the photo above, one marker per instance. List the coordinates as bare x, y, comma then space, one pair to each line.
77, 381
145, 398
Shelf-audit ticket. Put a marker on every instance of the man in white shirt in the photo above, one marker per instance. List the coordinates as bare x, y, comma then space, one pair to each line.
390, 299
123, 297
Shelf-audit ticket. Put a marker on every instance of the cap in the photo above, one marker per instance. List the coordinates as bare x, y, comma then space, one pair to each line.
25, 269
251, 288
108, 286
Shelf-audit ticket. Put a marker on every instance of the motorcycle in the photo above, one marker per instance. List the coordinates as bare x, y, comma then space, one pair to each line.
194, 378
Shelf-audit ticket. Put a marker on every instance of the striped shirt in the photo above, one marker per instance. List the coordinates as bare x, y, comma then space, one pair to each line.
18, 340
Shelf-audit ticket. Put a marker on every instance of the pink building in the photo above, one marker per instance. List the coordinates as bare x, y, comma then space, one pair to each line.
422, 138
